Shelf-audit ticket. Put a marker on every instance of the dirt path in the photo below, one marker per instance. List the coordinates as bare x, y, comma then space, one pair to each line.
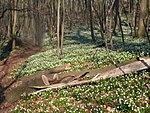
15, 60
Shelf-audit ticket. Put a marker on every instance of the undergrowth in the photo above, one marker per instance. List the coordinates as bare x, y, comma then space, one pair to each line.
127, 93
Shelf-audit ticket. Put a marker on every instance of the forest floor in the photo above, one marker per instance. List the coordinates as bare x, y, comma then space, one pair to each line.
14, 61
80, 53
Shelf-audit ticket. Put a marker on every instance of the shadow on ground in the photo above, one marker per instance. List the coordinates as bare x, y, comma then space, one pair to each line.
131, 45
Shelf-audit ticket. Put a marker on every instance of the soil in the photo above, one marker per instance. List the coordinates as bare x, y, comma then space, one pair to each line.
13, 61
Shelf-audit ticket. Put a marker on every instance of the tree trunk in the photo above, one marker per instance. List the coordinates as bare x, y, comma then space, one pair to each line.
91, 20
143, 14
62, 25
58, 27
14, 24
38, 25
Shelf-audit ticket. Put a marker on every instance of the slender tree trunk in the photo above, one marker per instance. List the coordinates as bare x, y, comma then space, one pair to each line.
110, 28
116, 17
86, 14
14, 14
117, 2
58, 27
91, 20
62, 26
135, 14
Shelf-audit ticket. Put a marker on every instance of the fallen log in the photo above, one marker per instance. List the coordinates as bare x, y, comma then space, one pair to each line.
140, 65
47, 72
59, 85
34, 79
72, 80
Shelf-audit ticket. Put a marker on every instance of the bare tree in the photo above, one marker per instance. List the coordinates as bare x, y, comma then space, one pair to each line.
91, 20
142, 18
60, 25
28, 20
